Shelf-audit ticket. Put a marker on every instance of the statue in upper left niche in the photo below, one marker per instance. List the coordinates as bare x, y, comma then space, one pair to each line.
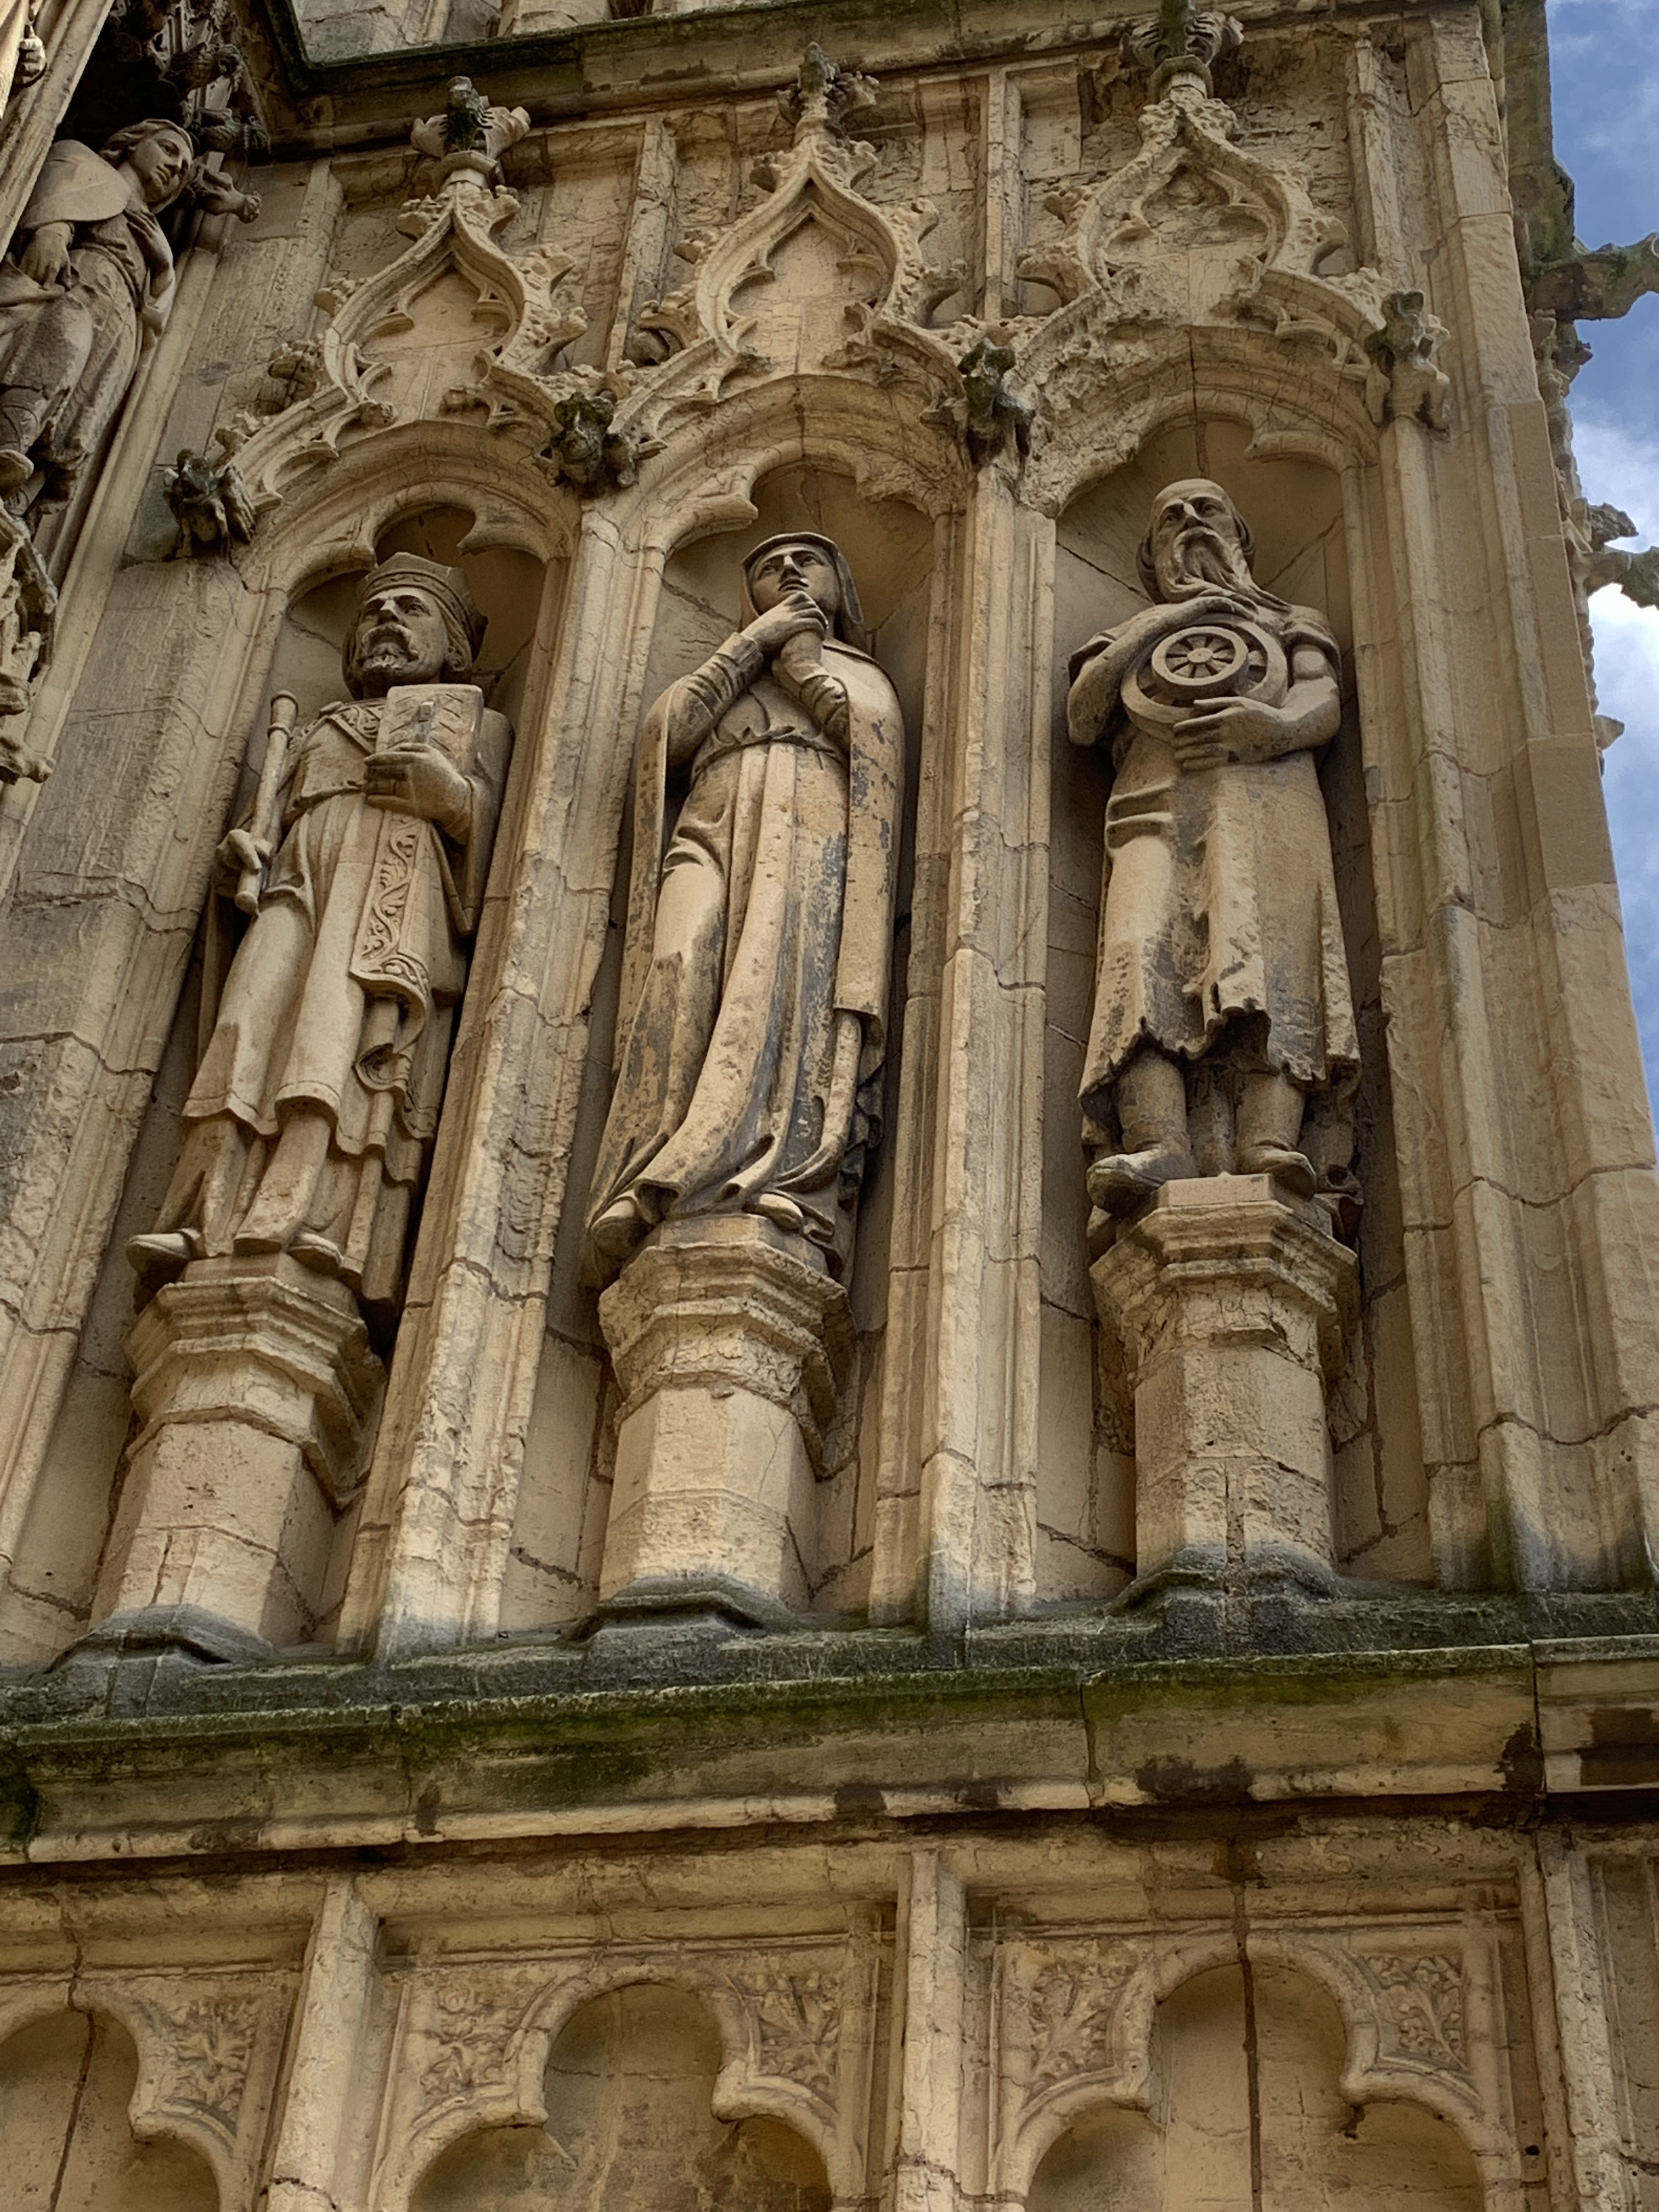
311, 1122
85, 286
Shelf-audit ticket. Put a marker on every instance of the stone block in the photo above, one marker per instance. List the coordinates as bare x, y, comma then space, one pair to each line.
1232, 1301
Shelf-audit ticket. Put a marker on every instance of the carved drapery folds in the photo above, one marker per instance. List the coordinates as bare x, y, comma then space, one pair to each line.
86, 286
752, 1038
282, 1239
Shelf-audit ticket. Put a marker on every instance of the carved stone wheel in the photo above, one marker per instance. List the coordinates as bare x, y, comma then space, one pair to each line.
1219, 659
1198, 662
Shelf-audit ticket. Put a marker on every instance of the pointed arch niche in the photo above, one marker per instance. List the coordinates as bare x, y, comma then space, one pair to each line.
633, 2116
551, 1576
72, 1515
1248, 2076
1086, 1480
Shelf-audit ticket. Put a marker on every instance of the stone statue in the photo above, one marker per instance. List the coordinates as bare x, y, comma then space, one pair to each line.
86, 285
752, 1030
312, 1119
1222, 1003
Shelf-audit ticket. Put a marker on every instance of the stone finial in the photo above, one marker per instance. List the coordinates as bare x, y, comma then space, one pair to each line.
470, 135
1183, 39
824, 95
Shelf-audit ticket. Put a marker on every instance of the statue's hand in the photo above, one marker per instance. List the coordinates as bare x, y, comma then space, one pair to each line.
790, 617
241, 853
416, 779
1227, 730
46, 258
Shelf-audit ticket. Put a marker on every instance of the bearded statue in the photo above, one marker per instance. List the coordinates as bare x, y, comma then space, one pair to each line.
1222, 1005
310, 1124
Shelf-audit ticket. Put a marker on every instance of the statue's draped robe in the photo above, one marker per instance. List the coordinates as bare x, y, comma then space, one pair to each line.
76, 346
1219, 925
339, 1003
768, 915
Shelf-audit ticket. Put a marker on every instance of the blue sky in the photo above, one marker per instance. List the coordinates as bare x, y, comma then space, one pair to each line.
1606, 131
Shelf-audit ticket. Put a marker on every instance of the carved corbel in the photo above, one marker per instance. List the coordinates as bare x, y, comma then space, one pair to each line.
1408, 384
996, 417
210, 503
586, 451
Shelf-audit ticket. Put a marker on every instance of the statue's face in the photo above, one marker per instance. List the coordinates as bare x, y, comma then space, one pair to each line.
160, 165
795, 567
1195, 534
400, 639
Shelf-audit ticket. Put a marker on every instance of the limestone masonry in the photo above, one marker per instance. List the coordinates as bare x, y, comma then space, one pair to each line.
829, 1248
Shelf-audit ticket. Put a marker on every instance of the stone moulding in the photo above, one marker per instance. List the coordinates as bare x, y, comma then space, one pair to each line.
1385, 1982
208, 2047
474, 2044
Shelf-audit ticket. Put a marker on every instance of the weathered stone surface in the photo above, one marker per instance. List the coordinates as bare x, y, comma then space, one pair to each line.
852, 1711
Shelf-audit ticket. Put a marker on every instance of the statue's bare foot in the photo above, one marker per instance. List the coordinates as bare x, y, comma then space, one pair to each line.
1119, 1182
618, 1230
1294, 1169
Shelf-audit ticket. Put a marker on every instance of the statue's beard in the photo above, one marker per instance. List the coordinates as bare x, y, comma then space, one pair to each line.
1203, 561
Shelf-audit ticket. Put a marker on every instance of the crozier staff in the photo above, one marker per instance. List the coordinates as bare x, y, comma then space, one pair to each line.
752, 1025
311, 1121
1221, 953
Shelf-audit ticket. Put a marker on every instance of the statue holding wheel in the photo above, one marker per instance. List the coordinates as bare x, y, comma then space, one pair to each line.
1223, 1011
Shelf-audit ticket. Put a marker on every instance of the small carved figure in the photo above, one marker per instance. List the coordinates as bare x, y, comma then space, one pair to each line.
1222, 1002
752, 1027
313, 1112
471, 134
86, 284
995, 414
210, 503
586, 451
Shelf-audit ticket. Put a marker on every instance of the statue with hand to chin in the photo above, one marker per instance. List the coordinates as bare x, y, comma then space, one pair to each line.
751, 1033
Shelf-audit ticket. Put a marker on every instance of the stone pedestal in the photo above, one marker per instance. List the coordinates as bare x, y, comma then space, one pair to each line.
255, 1384
1231, 1298
731, 1349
